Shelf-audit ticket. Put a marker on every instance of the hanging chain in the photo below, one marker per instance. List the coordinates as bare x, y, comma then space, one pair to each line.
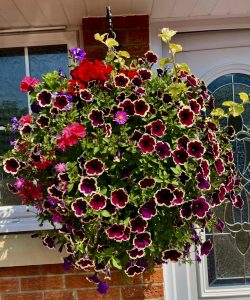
109, 17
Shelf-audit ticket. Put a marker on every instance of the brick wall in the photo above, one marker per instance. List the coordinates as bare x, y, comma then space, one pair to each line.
51, 282
132, 34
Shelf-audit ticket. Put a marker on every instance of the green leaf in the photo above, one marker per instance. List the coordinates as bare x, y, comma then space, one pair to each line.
184, 67
116, 263
228, 103
166, 34
111, 43
174, 48
99, 37
236, 110
218, 112
105, 213
124, 54
165, 61
244, 97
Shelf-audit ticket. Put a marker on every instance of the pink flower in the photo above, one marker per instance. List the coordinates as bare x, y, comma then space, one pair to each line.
25, 119
121, 117
28, 83
70, 135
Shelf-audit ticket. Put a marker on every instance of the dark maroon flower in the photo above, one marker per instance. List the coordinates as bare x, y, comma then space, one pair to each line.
98, 202
192, 80
145, 74
148, 210
43, 121
212, 126
84, 263
137, 81
125, 236
87, 185
230, 131
115, 231
96, 117
204, 165
182, 142
94, 167
136, 253
44, 98
121, 80
186, 116
186, 210
215, 149
79, 206
142, 240
220, 225
110, 207
146, 183
164, 197
206, 247
151, 57
200, 207
26, 129
138, 224
121, 97
86, 95
195, 149
119, 198
162, 150
167, 98
136, 136
178, 197
195, 106
49, 242
107, 128
11, 165
180, 156
146, 143
93, 278
237, 201
203, 183
128, 107
54, 191
141, 108
219, 166
61, 102
54, 111
183, 178
134, 270
171, 255
229, 157
158, 128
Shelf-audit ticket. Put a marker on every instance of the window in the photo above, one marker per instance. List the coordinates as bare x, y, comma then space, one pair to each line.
228, 263
24, 55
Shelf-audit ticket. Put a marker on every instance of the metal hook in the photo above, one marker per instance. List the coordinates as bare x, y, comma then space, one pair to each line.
109, 17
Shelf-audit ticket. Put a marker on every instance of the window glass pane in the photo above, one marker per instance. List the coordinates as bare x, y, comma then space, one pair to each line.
47, 59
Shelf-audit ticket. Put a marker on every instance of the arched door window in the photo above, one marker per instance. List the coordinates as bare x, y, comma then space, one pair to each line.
229, 262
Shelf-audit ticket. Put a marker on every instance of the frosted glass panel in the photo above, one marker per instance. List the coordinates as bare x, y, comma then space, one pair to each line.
47, 59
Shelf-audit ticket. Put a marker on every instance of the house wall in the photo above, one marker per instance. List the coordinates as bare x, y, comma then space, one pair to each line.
27, 275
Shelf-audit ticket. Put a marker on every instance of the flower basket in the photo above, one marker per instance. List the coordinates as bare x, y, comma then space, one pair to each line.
125, 163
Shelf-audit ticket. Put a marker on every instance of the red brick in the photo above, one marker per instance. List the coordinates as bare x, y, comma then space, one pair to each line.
155, 276
98, 52
65, 295
142, 292
112, 294
41, 283
8, 285
95, 23
118, 278
130, 22
51, 269
77, 281
138, 36
19, 271
26, 296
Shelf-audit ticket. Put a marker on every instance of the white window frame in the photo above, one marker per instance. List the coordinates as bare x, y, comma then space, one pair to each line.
19, 218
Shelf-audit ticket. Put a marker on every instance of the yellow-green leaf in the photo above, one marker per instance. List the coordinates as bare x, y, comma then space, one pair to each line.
228, 103
99, 37
218, 112
244, 97
121, 61
111, 43
165, 61
177, 88
236, 110
184, 67
124, 54
166, 34
174, 48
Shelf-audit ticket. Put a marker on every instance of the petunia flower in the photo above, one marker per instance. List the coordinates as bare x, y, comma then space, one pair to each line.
162, 150
94, 167
121, 80
164, 197
87, 185
77, 53
195, 149
102, 287
86, 95
136, 253
200, 207
151, 57
146, 143
206, 247
158, 128
79, 207
44, 98
148, 210
186, 210
142, 240
128, 107
96, 117
115, 231
141, 108
11, 165
131, 271
119, 198
186, 117
147, 183
145, 74
219, 166
180, 156
138, 224
97, 202
171, 255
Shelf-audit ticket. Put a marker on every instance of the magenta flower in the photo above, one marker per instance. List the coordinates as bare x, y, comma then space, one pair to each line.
94, 167
204, 165
180, 156
219, 166
195, 106
162, 150
148, 210
147, 183
171, 255
186, 117
158, 128
203, 183
146, 143
136, 253
164, 197
44, 98
98, 202
11, 165
115, 231
121, 117
119, 198
87, 185
200, 207
86, 95
60, 167
138, 224
142, 240
195, 149
186, 210
125, 236
182, 142
19, 183
79, 207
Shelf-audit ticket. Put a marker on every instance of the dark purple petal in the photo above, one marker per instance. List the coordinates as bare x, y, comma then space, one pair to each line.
164, 197
219, 166
200, 207
182, 142
138, 224
136, 253
162, 150
119, 198
206, 247
79, 206
186, 210
84, 263
98, 202
96, 117
121, 80
128, 107
87, 185
148, 210
145, 74
146, 183
44, 98
115, 231
102, 287
94, 167
134, 270
171, 255
203, 183
146, 143
220, 225
142, 240
195, 149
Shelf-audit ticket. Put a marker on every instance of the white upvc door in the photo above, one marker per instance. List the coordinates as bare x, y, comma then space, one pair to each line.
211, 55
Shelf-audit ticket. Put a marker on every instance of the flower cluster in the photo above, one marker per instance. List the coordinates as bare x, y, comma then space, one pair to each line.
127, 164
